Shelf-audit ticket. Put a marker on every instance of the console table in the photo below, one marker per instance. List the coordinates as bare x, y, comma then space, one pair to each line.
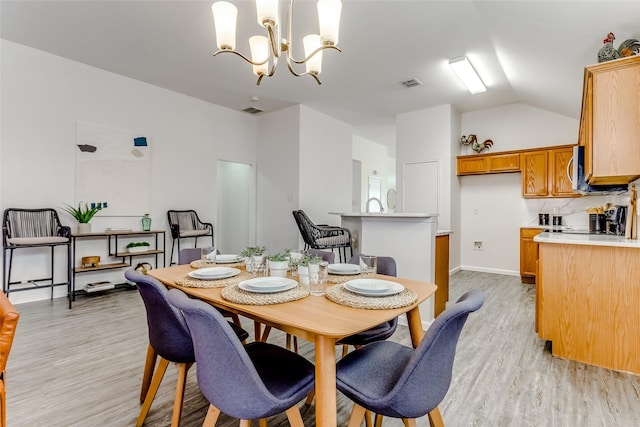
115, 241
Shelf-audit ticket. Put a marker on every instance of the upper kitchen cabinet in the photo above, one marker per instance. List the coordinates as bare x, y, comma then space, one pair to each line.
478, 164
610, 121
535, 174
547, 172
560, 175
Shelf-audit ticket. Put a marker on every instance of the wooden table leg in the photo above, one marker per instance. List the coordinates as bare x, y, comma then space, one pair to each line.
415, 326
326, 411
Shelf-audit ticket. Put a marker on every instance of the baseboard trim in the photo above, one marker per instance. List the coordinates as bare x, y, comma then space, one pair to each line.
489, 270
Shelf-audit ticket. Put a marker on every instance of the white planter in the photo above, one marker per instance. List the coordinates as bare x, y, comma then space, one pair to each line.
278, 268
138, 249
84, 227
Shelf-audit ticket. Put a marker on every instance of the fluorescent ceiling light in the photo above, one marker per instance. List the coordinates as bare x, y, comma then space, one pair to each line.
467, 74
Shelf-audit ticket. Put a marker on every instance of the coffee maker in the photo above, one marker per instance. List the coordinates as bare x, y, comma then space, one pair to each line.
616, 220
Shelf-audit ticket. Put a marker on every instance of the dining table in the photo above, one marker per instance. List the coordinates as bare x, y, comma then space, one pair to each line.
316, 319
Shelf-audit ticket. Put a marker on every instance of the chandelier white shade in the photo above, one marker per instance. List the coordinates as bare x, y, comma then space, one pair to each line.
265, 50
467, 74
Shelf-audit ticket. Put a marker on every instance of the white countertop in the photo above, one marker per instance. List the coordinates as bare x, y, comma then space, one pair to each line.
385, 214
587, 239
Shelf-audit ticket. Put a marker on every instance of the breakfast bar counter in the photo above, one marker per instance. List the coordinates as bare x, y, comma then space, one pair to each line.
587, 239
588, 299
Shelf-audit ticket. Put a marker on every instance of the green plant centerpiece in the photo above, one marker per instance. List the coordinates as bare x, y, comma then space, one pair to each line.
253, 257
279, 263
280, 256
303, 267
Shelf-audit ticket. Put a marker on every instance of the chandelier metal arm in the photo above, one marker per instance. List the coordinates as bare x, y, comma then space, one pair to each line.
241, 56
321, 48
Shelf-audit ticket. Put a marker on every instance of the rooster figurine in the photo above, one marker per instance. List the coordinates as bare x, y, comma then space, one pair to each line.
473, 141
607, 52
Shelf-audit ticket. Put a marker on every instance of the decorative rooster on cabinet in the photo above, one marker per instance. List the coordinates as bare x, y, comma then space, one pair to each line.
628, 47
473, 141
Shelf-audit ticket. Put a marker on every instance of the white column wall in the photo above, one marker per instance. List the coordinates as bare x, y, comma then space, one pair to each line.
278, 186
325, 166
427, 135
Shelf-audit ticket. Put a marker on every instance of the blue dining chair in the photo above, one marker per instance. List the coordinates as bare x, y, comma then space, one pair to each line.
170, 339
386, 266
330, 257
248, 382
397, 381
187, 255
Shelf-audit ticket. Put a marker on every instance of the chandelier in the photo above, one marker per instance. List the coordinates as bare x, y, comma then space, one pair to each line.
265, 51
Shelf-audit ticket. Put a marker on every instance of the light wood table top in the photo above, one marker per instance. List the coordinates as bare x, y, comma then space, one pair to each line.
316, 319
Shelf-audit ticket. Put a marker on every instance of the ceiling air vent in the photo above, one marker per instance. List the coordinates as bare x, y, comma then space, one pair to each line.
252, 110
411, 83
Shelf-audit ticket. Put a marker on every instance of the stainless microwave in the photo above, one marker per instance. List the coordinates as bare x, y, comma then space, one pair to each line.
579, 183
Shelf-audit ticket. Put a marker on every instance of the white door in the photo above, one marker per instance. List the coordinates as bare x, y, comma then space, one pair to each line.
420, 187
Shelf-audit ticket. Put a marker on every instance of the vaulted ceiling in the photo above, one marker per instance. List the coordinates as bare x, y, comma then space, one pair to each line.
532, 52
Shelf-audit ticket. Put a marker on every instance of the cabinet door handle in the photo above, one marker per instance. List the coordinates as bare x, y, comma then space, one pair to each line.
569, 170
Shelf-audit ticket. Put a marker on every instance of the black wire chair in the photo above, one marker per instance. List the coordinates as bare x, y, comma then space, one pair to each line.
323, 236
34, 228
185, 224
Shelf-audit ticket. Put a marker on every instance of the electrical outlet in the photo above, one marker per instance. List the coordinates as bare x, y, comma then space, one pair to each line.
477, 246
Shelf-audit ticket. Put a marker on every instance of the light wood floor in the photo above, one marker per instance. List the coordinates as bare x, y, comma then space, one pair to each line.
82, 367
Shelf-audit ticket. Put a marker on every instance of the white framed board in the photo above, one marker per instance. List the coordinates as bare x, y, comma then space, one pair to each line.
113, 166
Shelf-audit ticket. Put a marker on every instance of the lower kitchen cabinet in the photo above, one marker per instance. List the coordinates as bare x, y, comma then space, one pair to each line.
528, 254
441, 274
587, 301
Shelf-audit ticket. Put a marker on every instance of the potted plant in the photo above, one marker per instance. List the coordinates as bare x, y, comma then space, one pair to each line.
138, 247
279, 264
253, 257
83, 215
308, 264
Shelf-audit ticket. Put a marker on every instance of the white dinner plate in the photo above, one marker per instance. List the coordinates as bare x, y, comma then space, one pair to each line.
212, 273
343, 269
373, 287
227, 258
264, 285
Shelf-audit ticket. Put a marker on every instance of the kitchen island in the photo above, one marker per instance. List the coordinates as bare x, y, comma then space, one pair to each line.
407, 237
588, 298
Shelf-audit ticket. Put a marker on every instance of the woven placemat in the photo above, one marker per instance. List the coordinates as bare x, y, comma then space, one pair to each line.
235, 294
340, 295
201, 264
341, 278
190, 282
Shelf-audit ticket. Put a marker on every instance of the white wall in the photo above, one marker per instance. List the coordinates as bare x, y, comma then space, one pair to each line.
374, 157
492, 208
42, 98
